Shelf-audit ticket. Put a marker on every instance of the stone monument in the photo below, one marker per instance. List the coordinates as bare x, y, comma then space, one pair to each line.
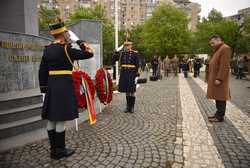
19, 16
21, 51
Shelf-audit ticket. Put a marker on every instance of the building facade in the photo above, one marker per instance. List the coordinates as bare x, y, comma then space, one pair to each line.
66, 7
130, 12
152, 4
240, 16
192, 10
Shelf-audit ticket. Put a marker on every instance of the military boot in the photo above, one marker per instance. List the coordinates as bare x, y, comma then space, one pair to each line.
51, 135
132, 104
127, 108
60, 150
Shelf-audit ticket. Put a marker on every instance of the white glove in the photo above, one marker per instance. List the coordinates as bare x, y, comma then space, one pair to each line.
43, 94
136, 79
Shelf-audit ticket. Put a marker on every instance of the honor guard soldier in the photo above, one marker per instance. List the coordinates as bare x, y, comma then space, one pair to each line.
55, 78
129, 63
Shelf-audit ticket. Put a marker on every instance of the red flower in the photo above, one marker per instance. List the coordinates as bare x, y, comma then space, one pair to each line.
104, 86
78, 76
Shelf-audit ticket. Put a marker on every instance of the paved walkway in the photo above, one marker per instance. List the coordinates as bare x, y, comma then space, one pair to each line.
230, 137
168, 129
199, 148
241, 94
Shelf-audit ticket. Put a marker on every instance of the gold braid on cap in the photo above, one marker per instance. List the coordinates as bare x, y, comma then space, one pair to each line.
58, 30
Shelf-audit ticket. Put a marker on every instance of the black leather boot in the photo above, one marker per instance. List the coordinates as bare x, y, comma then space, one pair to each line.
132, 104
127, 108
60, 150
51, 135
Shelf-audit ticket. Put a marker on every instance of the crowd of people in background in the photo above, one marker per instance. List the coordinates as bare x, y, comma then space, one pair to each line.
163, 67
240, 66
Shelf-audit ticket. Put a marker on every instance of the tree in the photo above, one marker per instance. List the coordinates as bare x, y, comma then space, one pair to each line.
215, 24
47, 16
246, 26
98, 13
165, 33
215, 16
243, 45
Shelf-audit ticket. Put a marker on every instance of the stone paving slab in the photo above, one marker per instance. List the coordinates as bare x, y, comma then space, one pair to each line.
168, 129
240, 120
240, 91
146, 138
199, 148
233, 148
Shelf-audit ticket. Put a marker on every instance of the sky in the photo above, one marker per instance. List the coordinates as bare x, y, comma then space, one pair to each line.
226, 7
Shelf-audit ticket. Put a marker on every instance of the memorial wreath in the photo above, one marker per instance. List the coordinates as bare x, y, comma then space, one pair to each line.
104, 86
80, 78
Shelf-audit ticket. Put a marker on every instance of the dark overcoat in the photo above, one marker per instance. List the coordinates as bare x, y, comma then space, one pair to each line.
127, 75
60, 102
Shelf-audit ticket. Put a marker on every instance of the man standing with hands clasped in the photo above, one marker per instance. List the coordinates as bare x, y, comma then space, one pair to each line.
218, 77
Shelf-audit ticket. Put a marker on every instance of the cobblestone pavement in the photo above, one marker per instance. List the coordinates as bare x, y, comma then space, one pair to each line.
240, 90
148, 138
239, 119
169, 129
199, 148
230, 137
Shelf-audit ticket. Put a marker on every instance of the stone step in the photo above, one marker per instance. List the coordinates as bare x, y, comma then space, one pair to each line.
22, 139
32, 129
21, 126
20, 99
20, 113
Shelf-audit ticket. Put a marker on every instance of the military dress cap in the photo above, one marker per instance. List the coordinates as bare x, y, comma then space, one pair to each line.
128, 43
57, 28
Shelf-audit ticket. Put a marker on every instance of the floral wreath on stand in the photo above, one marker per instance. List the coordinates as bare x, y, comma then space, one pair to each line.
104, 86
84, 89
79, 77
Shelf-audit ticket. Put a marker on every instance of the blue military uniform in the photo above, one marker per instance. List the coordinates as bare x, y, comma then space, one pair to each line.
60, 102
129, 64
55, 78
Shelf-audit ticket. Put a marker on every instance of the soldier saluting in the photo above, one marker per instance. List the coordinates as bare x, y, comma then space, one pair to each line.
129, 63
55, 78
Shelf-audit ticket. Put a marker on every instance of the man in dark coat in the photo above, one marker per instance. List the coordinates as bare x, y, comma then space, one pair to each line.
185, 68
218, 77
55, 78
129, 63
240, 68
197, 66
155, 65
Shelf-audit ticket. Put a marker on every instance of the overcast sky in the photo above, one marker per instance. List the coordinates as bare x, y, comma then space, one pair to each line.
227, 7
